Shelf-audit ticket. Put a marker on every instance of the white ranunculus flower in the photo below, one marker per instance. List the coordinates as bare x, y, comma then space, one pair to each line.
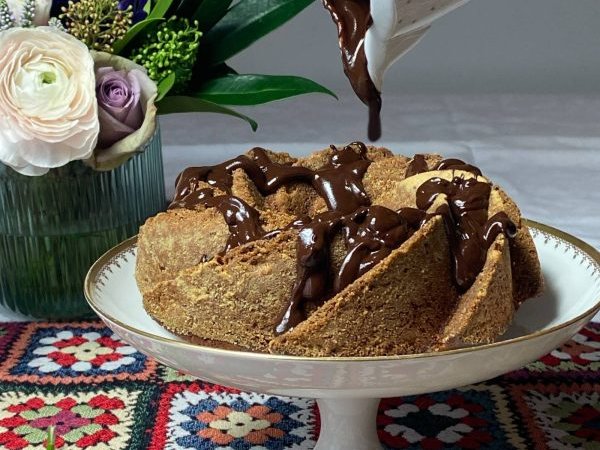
42, 10
48, 108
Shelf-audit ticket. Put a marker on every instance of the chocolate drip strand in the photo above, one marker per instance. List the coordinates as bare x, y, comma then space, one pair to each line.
457, 164
469, 230
417, 165
242, 219
370, 235
267, 175
312, 269
339, 182
353, 19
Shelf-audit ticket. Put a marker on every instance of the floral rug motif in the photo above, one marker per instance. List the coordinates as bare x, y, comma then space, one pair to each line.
100, 393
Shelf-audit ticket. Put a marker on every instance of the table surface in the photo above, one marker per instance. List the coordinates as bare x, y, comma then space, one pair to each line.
102, 393
544, 150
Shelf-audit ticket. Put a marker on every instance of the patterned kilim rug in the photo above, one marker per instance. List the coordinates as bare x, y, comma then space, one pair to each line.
100, 393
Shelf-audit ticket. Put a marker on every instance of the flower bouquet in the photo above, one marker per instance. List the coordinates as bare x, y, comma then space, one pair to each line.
81, 84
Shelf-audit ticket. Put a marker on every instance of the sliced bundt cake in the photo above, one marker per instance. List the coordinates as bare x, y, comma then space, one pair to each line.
351, 251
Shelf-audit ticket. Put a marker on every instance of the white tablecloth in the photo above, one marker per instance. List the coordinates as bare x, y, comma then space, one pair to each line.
544, 150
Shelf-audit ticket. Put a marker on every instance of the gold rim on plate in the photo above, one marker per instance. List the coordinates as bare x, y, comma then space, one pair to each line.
129, 243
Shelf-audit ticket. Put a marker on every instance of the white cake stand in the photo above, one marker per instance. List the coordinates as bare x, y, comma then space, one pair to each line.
348, 389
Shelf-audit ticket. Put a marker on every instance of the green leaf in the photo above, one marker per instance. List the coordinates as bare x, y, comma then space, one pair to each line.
183, 104
165, 86
209, 12
160, 9
246, 22
257, 89
120, 45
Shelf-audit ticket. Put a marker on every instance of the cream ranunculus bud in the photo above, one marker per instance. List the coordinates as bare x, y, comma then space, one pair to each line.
42, 10
48, 108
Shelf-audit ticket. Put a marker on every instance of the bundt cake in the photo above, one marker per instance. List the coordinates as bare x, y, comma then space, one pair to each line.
351, 251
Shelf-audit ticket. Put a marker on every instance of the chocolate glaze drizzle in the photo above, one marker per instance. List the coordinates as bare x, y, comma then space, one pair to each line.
353, 19
470, 231
339, 182
419, 165
370, 232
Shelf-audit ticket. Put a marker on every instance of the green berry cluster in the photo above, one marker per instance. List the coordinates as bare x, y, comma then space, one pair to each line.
97, 23
173, 49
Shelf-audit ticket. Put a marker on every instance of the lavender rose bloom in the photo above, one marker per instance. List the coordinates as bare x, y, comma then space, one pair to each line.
120, 111
126, 109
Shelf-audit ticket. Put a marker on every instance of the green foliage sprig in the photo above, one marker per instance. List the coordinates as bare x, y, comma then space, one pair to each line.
173, 49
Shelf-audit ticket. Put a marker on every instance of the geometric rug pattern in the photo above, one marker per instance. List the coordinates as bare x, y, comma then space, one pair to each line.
100, 393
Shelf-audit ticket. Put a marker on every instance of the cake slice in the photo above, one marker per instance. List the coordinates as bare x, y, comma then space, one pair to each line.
486, 309
386, 311
234, 299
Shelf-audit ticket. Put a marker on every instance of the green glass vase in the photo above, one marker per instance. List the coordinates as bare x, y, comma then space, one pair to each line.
53, 228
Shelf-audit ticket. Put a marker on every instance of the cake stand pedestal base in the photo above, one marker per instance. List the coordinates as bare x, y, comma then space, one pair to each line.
348, 424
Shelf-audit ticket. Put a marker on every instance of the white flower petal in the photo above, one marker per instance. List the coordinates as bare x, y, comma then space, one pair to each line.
36, 362
44, 350
113, 365
64, 335
92, 336
126, 350
81, 366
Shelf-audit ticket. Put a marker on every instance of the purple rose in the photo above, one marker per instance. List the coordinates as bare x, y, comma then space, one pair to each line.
120, 110
126, 110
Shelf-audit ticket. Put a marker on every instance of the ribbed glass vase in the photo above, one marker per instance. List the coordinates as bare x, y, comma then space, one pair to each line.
53, 227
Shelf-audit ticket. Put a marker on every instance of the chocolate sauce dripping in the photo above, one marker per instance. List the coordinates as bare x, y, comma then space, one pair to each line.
417, 165
353, 19
457, 164
499, 223
268, 176
371, 233
339, 182
312, 268
469, 231
242, 219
